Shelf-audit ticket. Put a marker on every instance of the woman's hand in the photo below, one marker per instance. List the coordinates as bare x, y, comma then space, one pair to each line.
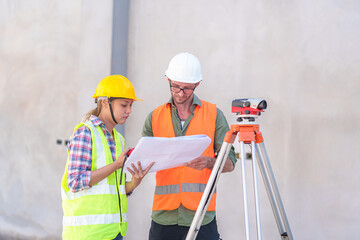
137, 173
119, 162
137, 176
101, 173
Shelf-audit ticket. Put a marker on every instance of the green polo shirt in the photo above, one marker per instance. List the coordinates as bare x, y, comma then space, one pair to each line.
183, 216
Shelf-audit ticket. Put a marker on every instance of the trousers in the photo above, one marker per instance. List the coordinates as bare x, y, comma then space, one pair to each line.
118, 237
176, 232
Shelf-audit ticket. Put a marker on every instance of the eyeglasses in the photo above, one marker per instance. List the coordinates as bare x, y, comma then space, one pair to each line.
176, 89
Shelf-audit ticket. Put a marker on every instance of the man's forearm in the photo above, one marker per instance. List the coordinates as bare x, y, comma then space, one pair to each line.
228, 167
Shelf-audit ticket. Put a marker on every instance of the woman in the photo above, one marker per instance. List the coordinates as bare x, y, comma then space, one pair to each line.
93, 186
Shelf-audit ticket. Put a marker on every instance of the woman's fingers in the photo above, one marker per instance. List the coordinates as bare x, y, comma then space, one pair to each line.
148, 168
134, 168
139, 166
131, 171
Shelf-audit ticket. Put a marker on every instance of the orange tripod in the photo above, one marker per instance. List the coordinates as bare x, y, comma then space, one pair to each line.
247, 133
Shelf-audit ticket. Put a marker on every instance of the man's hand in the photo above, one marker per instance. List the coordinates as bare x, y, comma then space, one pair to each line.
208, 162
201, 162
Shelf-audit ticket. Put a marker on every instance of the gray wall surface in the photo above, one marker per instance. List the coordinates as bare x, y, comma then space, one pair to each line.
53, 54
301, 56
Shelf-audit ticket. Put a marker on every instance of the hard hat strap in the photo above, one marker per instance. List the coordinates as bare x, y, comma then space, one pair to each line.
111, 111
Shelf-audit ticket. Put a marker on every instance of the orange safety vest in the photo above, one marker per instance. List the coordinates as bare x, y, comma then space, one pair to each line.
184, 185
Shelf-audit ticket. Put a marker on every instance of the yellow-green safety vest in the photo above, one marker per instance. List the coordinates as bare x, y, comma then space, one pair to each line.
100, 211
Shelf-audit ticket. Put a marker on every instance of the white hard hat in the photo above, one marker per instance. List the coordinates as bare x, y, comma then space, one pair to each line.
184, 67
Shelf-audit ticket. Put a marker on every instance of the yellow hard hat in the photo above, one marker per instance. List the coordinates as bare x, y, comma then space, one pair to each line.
115, 86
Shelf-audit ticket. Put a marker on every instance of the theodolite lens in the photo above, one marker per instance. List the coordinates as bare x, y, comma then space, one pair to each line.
262, 105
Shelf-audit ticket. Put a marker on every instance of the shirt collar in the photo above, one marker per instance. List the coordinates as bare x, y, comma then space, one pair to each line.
96, 121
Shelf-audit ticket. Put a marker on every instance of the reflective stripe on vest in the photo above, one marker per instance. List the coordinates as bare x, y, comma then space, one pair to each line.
193, 187
183, 185
94, 190
91, 219
93, 213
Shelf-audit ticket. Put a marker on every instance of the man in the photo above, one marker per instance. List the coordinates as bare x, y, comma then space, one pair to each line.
179, 190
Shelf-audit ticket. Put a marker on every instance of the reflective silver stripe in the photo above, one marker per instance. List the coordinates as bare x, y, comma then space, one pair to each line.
122, 189
94, 190
124, 217
193, 187
122, 140
91, 219
100, 160
167, 189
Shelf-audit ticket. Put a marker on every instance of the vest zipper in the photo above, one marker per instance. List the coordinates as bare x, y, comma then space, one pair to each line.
118, 193
121, 174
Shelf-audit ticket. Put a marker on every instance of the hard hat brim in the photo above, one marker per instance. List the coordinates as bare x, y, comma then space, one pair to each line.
173, 78
103, 97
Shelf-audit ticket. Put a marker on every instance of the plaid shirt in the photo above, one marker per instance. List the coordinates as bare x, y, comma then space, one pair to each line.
80, 155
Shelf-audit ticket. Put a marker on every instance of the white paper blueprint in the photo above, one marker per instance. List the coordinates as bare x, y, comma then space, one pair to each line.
167, 152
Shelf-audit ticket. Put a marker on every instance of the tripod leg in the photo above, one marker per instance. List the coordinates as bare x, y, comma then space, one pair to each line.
246, 208
269, 191
256, 191
209, 190
273, 193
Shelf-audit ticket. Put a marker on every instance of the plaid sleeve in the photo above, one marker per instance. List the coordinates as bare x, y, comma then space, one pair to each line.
79, 166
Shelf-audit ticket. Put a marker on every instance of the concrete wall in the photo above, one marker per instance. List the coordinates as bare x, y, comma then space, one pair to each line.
53, 54
301, 56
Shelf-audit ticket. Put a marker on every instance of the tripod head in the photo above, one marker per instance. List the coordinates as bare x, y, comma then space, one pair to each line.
247, 109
